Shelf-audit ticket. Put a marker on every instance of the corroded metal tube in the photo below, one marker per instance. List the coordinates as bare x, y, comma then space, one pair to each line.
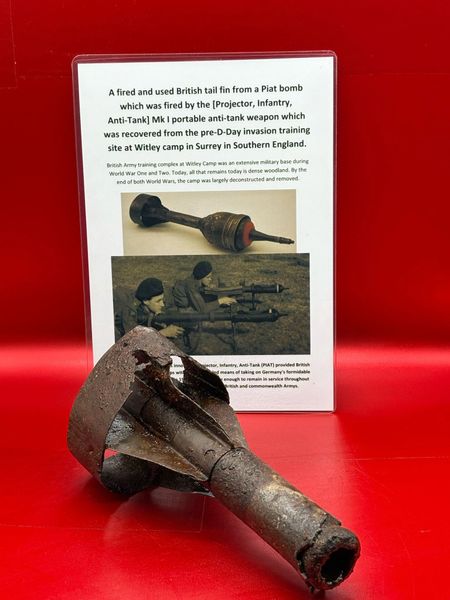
184, 435
303, 533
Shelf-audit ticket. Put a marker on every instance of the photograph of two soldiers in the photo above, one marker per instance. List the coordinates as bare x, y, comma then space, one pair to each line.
214, 283
213, 305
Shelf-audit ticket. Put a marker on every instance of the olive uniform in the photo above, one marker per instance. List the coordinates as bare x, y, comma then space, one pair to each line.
190, 293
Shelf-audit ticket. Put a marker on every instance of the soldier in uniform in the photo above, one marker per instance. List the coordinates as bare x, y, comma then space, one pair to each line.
141, 308
192, 293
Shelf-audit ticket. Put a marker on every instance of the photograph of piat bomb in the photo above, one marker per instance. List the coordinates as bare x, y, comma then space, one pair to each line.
226, 222
229, 231
203, 304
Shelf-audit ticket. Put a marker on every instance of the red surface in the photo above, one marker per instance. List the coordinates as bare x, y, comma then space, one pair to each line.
381, 463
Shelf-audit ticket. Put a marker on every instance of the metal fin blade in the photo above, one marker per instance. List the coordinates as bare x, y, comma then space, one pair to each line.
128, 436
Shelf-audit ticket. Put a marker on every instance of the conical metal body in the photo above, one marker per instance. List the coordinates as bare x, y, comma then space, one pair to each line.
184, 435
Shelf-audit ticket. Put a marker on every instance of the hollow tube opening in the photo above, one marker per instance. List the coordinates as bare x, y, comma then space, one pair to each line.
330, 559
338, 566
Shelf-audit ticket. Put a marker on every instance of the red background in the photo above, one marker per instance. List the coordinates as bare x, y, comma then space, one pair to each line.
381, 463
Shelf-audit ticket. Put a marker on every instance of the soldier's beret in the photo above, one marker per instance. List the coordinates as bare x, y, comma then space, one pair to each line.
148, 288
202, 269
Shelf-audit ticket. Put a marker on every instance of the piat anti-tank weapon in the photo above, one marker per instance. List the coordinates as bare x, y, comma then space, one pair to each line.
189, 319
184, 435
225, 230
254, 289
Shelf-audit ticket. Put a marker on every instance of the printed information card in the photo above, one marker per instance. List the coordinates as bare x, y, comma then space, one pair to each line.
207, 190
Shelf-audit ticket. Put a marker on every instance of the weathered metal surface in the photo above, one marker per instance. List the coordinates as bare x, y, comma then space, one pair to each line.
284, 517
228, 231
184, 435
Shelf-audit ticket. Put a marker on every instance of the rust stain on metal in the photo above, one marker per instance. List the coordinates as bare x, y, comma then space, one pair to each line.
184, 435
